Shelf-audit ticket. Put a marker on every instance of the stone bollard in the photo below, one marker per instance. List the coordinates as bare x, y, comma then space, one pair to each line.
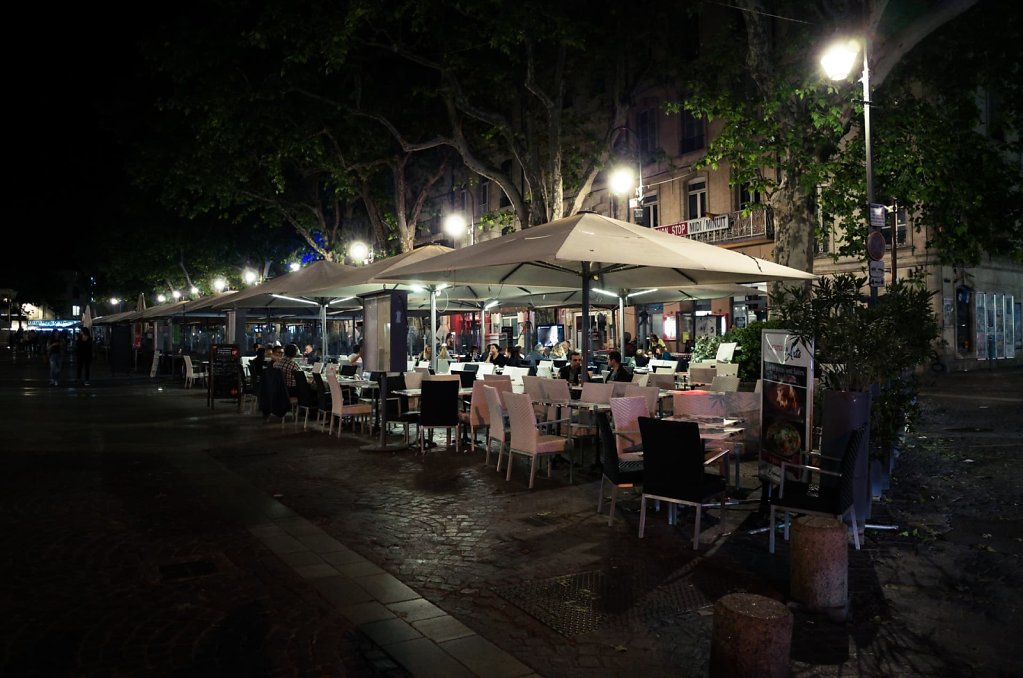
819, 575
752, 636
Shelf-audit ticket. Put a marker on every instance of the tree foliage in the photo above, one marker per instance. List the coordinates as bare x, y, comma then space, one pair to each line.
788, 134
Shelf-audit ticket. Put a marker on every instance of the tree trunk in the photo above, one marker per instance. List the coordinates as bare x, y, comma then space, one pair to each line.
794, 228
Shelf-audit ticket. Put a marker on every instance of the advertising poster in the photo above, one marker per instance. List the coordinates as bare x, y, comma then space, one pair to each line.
787, 372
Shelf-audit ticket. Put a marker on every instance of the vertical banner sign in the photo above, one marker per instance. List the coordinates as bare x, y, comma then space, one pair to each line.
787, 372
225, 374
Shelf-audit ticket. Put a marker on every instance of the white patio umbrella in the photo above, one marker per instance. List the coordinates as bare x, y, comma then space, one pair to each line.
289, 291
589, 250
167, 310
371, 278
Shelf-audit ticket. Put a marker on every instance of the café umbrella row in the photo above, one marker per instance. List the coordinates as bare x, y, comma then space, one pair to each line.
559, 263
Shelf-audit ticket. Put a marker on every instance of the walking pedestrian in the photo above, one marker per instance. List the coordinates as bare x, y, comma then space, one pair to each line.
83, 354
55, 352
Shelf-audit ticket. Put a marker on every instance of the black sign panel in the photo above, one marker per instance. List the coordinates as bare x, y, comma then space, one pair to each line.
225, 373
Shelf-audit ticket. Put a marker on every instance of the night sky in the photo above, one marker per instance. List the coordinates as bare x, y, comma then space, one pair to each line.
72, 79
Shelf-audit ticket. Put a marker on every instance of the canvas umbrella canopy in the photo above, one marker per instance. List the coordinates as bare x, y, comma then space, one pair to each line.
371, 278
589, 250
207, 303
162, 311
289, 291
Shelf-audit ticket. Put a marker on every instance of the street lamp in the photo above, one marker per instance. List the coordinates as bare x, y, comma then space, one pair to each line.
219, 285
624, 182
358, 251
294, 266
194, 291
838, 62
249, 276
176, 294
160, 298
456, 226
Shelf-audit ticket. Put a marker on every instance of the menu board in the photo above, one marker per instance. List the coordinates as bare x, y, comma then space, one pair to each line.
225, 373
787, 370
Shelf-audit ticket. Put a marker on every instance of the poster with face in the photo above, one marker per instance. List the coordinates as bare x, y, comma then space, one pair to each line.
786, 369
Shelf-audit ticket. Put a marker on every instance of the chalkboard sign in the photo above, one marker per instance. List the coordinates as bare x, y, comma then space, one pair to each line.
225, 373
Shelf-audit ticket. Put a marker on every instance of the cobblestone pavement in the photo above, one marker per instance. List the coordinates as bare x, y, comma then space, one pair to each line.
117, 563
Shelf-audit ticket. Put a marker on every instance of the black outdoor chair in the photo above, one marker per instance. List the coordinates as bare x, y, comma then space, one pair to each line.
348, 370
438, 408
322, 398
621, 474
273, 395
248, 390
466, 378
673, 470
307, 399
831, 494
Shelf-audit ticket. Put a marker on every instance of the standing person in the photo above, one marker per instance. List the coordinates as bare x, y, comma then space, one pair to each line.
55, 353
83, 354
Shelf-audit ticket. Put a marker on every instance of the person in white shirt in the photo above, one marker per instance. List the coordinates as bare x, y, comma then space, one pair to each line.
356, 358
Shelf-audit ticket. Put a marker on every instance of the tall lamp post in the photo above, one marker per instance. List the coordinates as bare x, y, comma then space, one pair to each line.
838, 62
455, 226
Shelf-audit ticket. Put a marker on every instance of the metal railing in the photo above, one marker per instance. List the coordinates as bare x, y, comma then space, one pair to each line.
727, 228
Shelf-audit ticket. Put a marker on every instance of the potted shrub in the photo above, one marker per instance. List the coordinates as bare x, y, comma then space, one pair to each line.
863, 350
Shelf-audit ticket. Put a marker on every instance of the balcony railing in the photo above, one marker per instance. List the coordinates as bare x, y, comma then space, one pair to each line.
726, 228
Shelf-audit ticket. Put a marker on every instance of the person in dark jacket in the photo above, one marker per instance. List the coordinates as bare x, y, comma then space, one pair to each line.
618, 372
574, 372
83, 354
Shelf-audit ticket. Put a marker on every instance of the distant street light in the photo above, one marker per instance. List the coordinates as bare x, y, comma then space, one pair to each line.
838, 62
295, 266
358, 251
623, 181
176, 294
160, 298
194, 291
219, 285
249, 276
456, 226
114, 301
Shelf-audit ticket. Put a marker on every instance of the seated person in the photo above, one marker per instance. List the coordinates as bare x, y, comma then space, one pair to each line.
474, 355
661, 352
574, 372
356, 357
515, 358
494, 356
309, 354
427, 355
287, 365
642, 359
617, 371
